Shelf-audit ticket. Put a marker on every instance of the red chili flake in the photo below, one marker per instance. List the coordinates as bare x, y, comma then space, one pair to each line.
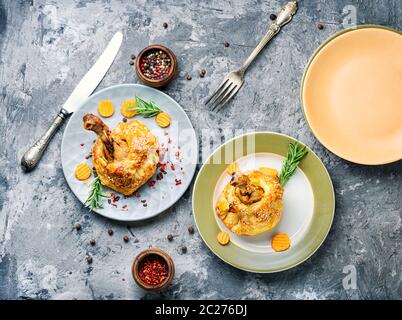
114, 205
172, 167
177, 181
117, 198
152, 183
153, 270
169, 140
177, 154
166, 133
159, 176
124, 207
81, 144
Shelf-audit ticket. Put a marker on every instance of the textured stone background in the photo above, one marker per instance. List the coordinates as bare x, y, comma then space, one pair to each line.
47, 46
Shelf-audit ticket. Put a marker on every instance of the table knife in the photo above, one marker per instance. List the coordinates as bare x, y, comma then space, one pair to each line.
81, 92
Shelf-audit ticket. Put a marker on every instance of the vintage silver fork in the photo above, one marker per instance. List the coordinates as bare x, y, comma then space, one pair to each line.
235, 79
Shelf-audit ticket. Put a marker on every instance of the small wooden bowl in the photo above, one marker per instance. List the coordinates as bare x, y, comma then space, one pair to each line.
140, 258
156, 83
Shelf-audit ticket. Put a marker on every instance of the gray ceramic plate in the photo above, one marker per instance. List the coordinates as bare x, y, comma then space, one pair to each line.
179, 139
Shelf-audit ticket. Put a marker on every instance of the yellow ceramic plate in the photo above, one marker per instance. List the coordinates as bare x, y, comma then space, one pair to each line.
352, 94
309, 204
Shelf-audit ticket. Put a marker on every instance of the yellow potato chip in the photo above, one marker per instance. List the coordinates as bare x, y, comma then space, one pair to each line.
163, 119
232, 168
125, 111
280, 242
106, 108
223, 238
269, 172
82, 171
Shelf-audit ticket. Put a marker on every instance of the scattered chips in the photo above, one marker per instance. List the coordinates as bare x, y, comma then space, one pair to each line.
223, 238
269, 172
82, 171
125, 111
163, 119
280, 242
106, 108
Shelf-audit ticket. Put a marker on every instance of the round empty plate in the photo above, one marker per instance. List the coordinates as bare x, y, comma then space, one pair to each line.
352, 95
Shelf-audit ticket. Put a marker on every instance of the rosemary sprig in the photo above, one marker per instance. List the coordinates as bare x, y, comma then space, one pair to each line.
292, 161
94, 200
148, 109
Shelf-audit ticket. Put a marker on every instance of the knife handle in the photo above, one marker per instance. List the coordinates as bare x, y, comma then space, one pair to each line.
32, 156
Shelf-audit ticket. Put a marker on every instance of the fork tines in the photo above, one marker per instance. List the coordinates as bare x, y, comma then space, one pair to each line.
223, 94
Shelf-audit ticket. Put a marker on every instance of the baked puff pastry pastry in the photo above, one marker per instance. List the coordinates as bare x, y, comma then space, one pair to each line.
252, 202
126, 157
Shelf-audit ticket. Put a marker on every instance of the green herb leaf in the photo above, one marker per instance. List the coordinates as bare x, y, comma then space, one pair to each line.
293, 159
95, 196
147, 108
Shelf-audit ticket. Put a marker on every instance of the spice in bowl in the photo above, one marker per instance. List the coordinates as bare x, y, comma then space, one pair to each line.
156, 65
153, 270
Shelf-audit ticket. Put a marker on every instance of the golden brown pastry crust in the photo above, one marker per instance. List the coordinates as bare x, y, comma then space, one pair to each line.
134, 160
251, 203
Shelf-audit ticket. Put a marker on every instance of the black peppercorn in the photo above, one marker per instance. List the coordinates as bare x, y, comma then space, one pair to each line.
272, 16
190, 230
132, 56
124, 119
188, 77
131, 62
170, 237
202, 73
226, 44
89, 259
92, 242
165, 25
110, 232
77, 226
125, 238
184, 249
320, 26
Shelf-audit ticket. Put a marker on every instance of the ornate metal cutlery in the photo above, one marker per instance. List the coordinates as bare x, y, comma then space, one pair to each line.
82, 91
235, 79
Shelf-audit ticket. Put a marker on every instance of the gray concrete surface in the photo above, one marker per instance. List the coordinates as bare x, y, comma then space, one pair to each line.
47, 46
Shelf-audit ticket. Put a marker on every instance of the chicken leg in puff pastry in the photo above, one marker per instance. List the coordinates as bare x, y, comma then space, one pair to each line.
126, 157
252, 202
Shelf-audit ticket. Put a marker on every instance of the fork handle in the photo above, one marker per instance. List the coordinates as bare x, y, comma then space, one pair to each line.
284, 16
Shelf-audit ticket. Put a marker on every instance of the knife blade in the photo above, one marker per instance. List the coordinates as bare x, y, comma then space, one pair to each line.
81, 92
94, 76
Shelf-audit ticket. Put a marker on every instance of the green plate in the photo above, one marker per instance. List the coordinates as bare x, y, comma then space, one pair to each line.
307, 233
